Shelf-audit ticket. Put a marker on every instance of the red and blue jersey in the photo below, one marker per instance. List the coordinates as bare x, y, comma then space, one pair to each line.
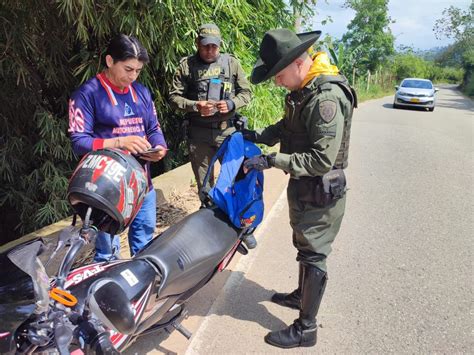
99, 110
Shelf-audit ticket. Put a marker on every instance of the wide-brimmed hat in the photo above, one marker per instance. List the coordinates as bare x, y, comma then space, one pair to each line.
209, 33
279, 48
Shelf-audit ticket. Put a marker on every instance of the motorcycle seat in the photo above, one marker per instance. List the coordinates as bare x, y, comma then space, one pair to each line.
189, 252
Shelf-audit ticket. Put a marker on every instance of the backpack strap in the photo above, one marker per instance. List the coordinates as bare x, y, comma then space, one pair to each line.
224, 61
339, 80
204, 193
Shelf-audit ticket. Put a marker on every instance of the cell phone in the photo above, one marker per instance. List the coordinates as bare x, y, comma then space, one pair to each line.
152, 150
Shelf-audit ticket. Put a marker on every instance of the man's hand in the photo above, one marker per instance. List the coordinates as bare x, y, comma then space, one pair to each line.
133, 144
259, 162
206, 108
249, 135
155, 156
222, 106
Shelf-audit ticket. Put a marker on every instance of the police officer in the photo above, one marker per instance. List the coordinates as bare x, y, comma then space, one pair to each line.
209, 87
314, 141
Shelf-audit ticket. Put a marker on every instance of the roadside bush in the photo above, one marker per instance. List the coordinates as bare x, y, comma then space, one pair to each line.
446, 75
468, 80
410, 66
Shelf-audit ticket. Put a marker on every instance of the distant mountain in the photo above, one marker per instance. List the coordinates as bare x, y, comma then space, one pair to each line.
430, 54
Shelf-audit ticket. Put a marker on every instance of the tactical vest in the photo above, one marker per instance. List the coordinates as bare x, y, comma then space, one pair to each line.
295, 138
200, 76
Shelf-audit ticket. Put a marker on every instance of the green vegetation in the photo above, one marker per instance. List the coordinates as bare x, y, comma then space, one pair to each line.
407, 65
374, 91
459, 24
368, 37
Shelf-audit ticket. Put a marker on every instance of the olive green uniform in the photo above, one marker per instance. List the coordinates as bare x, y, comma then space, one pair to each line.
191, 84
314, 139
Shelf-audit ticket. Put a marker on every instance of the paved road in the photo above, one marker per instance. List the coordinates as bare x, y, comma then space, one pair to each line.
400, 275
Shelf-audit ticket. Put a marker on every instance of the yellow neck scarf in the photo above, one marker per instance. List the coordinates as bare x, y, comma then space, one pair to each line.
321, 65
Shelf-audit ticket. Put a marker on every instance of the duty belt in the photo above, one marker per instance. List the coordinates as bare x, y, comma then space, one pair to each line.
216, 125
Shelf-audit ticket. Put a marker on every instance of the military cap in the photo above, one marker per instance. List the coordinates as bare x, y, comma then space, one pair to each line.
209, 33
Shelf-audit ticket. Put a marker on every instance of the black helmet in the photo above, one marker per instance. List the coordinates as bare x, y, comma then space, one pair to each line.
113, 183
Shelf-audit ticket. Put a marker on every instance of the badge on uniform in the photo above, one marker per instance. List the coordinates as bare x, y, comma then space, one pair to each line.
327, 110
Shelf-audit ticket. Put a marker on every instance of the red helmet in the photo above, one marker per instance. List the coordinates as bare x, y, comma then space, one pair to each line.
113, 183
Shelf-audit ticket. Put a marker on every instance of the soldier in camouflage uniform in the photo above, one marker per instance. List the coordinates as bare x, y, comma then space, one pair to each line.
314, 141
209, 87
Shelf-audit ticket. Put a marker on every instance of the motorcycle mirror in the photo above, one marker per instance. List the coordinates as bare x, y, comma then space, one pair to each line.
64, 237
67, 233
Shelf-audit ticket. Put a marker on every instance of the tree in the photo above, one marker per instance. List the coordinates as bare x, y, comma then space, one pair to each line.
368, 34
302, 10
459, 24
456, 23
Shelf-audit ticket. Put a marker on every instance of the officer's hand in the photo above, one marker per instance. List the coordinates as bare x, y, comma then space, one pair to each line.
133, 144
259, 162
249, 135
222, 106
206, 108
155, 156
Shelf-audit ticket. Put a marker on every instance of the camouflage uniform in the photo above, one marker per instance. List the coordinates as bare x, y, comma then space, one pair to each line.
190, 85
314, 139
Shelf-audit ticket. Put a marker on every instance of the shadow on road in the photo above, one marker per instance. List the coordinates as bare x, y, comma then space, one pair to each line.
246, 307
390, 107
453, 100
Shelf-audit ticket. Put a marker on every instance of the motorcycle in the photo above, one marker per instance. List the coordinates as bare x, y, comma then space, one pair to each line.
104, 307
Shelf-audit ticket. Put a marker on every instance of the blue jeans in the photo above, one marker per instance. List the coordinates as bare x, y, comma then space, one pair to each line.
139, 234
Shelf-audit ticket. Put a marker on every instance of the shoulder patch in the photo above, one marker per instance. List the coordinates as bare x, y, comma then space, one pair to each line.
327, 110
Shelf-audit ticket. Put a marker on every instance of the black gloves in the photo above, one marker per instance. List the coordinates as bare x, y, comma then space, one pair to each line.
260, 162
240, 122
250, 135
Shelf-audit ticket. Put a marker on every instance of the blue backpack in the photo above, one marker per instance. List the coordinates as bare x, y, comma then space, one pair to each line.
238, 194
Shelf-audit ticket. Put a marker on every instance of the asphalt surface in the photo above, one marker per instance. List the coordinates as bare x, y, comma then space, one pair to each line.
401, 270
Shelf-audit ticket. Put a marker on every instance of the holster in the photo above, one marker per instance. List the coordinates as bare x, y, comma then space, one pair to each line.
240, 122
322, 190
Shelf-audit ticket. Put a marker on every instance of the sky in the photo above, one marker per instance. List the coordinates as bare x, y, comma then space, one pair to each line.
414, 20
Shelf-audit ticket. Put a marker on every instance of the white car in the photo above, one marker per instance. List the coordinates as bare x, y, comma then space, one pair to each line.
414, 92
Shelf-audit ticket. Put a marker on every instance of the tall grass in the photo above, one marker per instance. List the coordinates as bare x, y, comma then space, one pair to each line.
375, 91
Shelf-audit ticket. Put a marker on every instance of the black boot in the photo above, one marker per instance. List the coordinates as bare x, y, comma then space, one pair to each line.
303, 331
292, 299
250, 241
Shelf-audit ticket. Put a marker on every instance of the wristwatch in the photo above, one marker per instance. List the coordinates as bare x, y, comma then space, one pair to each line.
195, 107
